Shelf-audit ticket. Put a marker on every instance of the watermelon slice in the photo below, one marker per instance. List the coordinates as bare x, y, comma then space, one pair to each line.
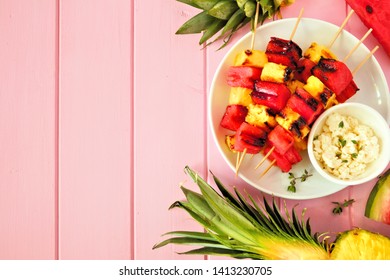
375, 14
378, 203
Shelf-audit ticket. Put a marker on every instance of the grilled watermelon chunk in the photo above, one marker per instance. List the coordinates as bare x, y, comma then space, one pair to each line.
378, 203
249, 137
234, 116
375, 14
283, 51
348, 92
272, 95
305, 105
333, 73
293, 156
281, 139
303, 71
243, 76
280, 160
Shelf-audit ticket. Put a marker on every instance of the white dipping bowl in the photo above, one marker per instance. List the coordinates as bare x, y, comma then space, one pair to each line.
368, 116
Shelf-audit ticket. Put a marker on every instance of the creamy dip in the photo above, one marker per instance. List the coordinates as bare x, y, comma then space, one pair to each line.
344, 147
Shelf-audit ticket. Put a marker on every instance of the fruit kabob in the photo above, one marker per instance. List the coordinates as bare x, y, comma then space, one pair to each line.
255, 102
273, 115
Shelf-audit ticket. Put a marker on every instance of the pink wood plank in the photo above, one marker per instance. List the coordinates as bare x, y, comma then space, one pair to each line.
170, 122
27, 129
95, 130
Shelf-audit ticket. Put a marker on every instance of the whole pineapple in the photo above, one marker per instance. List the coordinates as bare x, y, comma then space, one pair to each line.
228, 16
240, 228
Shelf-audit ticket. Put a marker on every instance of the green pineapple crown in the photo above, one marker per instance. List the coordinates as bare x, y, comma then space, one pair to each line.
236, 228
228, 16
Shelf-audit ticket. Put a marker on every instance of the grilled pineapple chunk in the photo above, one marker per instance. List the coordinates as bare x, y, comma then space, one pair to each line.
259, 115
229, 140
273, 72
315, 52
240, 96
320, 92
293, 122
293, 85
253, 58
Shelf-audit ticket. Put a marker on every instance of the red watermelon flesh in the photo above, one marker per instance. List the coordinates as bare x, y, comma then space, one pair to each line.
375, 14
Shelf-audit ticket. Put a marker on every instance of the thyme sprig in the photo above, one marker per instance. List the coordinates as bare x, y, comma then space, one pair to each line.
341, 205
293, 180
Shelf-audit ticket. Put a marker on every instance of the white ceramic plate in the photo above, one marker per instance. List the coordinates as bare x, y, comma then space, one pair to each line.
370, 79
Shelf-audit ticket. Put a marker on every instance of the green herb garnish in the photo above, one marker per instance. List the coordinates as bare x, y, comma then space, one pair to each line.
340, 206
293, 180
341, 124
342, 142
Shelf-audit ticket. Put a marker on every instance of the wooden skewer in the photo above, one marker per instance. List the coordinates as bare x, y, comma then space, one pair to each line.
340, 29
365, 60
240, 157
273, 148
268, 168
255, 25
357, 45
265, 157
296, 24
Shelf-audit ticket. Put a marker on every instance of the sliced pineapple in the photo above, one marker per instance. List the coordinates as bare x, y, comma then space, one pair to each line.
277, 73
359, 244
254, 58
259, 115
315, 52
320, 92
240, 96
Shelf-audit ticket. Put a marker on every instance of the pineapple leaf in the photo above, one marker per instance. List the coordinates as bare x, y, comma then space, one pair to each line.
238, 227
197, 217
205, 4
223, 252
234, 21
196, 24
189, 241
224, 191
192, 234
212, 29
224, 9
189, 2
231, 16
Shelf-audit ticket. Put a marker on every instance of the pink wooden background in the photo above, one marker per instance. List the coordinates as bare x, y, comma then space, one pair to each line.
101, 107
